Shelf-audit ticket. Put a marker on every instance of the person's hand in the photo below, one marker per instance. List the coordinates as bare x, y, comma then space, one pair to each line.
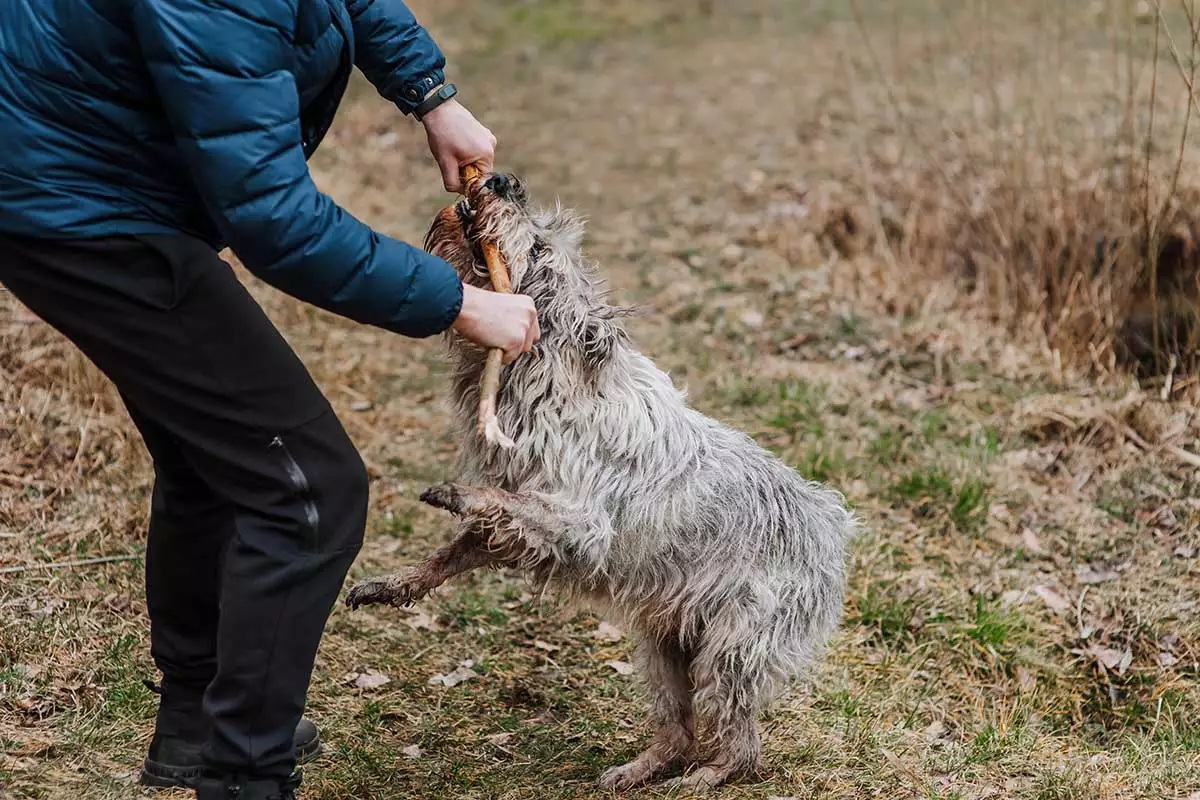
456, 139
493, 319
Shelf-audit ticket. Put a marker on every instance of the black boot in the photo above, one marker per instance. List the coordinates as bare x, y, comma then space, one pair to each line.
180, 732
237, 787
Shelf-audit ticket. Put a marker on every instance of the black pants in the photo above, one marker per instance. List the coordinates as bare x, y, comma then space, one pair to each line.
259, 498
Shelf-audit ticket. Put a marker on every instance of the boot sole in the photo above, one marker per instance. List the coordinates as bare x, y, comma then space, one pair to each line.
166, 776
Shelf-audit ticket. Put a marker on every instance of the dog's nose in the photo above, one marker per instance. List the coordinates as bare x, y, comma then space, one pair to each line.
500, 184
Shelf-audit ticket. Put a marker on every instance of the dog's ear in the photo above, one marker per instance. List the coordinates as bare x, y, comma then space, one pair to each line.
563, 230
601, 335
599, 342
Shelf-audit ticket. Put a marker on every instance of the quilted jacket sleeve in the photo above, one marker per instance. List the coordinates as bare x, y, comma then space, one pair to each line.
396, 54
222, 69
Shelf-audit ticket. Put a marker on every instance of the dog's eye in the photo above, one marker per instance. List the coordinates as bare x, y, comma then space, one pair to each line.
463, 210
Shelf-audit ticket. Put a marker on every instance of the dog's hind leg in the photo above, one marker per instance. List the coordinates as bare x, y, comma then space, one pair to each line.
732, 683
664, 667
466, 552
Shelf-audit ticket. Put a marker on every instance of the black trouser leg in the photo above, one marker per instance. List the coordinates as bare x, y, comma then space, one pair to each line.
196, 357
283, 586
191, 527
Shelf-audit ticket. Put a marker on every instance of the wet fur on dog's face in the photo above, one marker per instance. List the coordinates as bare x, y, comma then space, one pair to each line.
543, 252
490, 206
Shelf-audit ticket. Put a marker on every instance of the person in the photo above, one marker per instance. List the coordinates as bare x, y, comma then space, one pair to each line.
140, 138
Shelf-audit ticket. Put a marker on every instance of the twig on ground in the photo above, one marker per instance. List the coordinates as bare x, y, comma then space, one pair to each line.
83, 562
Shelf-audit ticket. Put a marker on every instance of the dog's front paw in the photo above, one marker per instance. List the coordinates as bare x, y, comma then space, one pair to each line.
368, 593
626, 776
703, 780
401, 589
446, 496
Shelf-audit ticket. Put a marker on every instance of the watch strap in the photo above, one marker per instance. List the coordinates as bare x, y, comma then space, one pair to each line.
435, 99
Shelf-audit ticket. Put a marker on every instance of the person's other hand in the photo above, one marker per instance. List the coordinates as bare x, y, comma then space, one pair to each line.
492, 319
456, 139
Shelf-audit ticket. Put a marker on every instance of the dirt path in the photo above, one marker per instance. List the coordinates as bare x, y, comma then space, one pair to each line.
1022, 615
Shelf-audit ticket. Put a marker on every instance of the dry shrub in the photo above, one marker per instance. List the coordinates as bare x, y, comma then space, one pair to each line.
1107, 429
1107, 287
1077, 209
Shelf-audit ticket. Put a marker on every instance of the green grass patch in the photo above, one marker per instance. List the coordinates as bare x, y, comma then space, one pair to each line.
932, 492
887, 612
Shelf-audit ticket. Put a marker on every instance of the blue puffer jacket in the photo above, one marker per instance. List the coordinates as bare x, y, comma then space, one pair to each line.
197, 116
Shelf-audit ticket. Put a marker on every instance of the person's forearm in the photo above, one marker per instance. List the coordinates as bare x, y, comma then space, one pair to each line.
395, 52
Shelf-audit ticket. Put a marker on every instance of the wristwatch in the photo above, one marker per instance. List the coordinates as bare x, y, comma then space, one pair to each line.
435, 99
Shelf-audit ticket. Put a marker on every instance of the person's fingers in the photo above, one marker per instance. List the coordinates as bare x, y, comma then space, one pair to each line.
527, 344
450, 176
532, 333
487, 159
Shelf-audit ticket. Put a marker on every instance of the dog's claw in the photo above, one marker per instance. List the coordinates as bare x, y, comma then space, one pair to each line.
368, 593
400, 590
445, 496
624, 776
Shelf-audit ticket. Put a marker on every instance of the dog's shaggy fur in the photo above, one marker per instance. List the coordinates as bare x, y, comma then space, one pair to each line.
727, 564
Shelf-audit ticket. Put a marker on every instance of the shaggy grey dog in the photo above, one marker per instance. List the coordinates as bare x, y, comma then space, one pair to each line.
727, 564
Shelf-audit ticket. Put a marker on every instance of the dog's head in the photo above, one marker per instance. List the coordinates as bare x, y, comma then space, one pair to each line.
543, 252
533, 242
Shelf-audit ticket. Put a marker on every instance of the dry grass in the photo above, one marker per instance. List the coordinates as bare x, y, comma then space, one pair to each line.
1022, 618
1049, 174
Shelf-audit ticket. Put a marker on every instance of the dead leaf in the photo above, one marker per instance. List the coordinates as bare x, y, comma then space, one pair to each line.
1116, 660
607, 633
361, 405
549, 648
460, 674
1011, 597
412, 751
419, 619
1185, 552
502, 739
371, 680
1090, 576
752, 319
49, 609
935, 730
1053, 600
622, 667
28, 670
1166, 659
1030, 540
1025, 678
125, 776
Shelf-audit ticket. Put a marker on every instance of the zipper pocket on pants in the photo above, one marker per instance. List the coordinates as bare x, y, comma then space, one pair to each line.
299, 482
